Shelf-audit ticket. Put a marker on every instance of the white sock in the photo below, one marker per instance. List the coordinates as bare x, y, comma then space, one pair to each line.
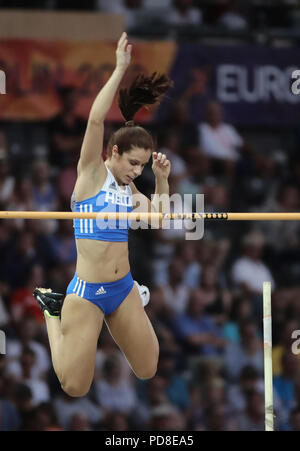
144, 293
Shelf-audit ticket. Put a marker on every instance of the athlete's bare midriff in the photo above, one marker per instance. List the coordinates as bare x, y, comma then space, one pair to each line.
101, 261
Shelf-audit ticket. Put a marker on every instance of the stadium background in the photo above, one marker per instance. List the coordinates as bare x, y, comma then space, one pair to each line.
226, 57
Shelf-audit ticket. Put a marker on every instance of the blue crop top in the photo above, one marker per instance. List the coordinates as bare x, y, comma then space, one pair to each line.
111, 198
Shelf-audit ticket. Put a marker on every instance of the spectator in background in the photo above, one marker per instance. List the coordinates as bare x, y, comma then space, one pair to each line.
22, 302
285, 384
197, 332
66, 407
176, 388
44, 418
250, 380
9, 416
42, 243
151, 394
257, 180
21, 256
217, 299
281, 300
107, 347
174, 290
217, 197
249, 271
213, 393
253, 416
178, 122
248, 352
166, 418
113, 392
175, 231
282, 237
198, 172
22, 199
213, 252
196, 415
187, 252
65, 185
166, 238
218, 140
43, 190
62, 242
219, 416
183, 13
169, 144
66, 131
217, 419
39, 388
232, 18
28, 333
22, 399
242, 310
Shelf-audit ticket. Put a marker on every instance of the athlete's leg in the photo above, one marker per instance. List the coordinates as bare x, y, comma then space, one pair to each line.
73, 342
131, 329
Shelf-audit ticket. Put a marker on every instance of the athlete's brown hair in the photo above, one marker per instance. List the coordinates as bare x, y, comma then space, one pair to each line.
142, 92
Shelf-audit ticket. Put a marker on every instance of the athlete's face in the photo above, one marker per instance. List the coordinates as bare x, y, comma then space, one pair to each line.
130, 164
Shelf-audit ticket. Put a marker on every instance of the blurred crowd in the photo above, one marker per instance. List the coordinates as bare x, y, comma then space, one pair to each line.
206, 295
162, 16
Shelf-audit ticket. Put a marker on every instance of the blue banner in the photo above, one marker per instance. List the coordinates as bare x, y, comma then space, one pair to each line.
252, 83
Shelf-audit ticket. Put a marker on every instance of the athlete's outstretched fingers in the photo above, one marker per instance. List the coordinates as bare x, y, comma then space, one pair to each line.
122, 37
123, 41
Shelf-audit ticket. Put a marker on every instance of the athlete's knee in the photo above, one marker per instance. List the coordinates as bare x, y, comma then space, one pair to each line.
149, 367
148, 371
74, 388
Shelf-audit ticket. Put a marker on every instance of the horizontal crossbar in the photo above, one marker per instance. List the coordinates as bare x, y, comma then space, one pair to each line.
145, 216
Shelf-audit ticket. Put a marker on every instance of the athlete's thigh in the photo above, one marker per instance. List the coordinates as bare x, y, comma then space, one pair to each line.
81, 323
131, 329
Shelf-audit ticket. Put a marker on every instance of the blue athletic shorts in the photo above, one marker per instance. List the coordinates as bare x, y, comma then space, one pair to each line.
107, 296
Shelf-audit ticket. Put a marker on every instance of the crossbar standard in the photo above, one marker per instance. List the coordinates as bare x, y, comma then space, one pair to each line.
147, 216
268, 366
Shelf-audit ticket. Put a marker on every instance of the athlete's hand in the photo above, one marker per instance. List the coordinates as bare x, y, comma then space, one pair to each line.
161, 166
123, 53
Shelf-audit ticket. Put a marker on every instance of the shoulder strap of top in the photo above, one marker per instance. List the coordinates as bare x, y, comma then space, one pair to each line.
103, 188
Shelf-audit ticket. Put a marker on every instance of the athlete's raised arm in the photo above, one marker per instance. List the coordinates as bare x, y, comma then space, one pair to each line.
92, 146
